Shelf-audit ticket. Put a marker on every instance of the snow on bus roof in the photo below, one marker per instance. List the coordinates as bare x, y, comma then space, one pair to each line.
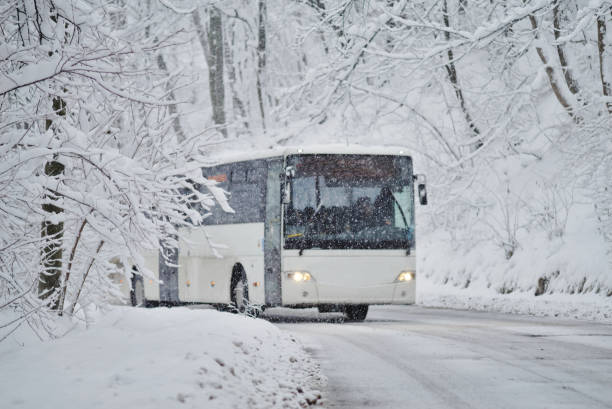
230, 157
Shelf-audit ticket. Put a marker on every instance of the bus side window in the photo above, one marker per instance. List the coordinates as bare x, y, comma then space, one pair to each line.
246, 183
238, 175
221, 175
247, 198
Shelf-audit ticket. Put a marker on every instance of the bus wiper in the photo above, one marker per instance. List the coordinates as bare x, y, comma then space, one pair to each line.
302, 248
404, 219
305, 239
306, 234
302, 239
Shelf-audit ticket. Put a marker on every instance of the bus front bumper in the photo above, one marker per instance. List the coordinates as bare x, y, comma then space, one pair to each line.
348, 277
307, 294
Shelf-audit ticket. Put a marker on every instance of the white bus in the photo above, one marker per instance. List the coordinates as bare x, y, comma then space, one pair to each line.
331, 228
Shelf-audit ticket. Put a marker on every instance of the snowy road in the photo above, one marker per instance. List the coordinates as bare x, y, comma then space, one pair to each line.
417, 357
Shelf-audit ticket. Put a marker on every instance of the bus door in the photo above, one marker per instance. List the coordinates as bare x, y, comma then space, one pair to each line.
272, 233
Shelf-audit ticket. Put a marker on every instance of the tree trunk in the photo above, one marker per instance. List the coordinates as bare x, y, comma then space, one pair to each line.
261, 59
550, 72
601, 49
161, 64
52, 233
78, 294
69, 269
211, 41
237, 103
572, 85
453, 77
215, 69
172, 110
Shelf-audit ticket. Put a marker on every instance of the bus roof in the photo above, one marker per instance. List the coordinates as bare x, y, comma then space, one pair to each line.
231, 157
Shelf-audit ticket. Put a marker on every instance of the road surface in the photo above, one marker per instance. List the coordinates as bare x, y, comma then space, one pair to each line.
416, 357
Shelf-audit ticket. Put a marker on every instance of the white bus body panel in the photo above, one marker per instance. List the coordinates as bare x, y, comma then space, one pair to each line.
199, 266
348, 277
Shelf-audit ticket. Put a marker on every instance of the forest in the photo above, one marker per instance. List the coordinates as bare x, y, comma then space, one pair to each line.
108, 109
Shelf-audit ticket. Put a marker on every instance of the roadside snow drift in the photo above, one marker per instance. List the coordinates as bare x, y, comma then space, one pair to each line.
161, 358
591, 307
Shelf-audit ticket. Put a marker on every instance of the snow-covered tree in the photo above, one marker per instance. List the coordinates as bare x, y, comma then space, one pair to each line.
92, 171
506, 104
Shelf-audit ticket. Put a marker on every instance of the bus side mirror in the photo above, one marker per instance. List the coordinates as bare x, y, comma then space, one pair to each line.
421, 188
422, 194
287, 192
290, 172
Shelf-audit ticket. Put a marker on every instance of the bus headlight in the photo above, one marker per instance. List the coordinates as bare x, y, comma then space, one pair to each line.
299, 276
405, 276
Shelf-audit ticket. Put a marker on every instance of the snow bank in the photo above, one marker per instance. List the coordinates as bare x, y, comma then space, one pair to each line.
578, 306
573, 265
161, 358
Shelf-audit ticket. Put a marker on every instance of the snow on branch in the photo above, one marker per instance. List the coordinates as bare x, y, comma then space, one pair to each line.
86, 151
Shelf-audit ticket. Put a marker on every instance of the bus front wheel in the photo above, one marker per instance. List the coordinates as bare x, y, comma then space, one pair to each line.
356, 312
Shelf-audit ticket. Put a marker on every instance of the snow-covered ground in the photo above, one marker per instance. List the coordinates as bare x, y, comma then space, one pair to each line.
185, 357
416, 357
592, 307
160, 358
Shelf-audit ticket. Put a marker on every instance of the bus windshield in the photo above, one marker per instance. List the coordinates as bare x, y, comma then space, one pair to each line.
350, 202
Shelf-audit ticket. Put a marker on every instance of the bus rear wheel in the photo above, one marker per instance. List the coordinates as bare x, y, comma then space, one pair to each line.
240, 295
137, 295
356, 312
